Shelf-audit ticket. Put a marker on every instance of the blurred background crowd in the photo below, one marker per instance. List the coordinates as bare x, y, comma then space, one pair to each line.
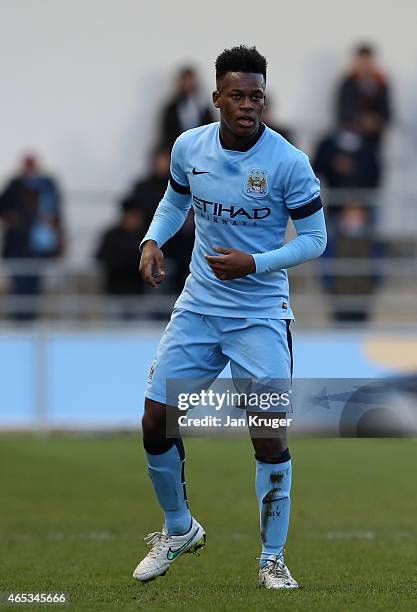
38, 282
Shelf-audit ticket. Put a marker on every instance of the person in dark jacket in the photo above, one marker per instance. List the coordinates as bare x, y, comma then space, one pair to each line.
148, 191
118, 253
30, 208
363, 96
186, 110
346, 161
145, 196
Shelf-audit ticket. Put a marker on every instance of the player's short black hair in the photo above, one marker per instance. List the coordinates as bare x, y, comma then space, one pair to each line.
240, 59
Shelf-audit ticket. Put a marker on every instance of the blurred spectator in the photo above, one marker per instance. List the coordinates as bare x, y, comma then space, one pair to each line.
147, 193
268, 119
118, 253
30, 208
352, 239
187, 109
145, 197
346, 160
363, 95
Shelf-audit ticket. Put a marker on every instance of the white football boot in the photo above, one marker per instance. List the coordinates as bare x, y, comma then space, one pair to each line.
276, 575
166, 549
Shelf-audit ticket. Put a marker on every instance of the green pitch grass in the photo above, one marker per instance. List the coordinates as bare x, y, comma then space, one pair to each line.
74, 511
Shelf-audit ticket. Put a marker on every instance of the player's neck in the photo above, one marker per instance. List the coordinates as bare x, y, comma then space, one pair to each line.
229, 141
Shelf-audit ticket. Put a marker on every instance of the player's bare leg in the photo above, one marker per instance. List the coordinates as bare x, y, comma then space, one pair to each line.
181, 532
273, 485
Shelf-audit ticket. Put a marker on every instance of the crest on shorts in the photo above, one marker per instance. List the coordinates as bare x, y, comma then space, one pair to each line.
256, 183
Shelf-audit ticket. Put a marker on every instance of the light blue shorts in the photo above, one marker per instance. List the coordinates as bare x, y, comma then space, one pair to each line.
196, 346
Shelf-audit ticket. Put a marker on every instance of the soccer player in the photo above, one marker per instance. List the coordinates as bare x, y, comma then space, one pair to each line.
244, 181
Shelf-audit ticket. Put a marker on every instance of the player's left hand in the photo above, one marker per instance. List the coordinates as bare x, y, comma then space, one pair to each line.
231, 264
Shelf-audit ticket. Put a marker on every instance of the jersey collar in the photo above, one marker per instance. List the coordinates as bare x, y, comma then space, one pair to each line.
251, 143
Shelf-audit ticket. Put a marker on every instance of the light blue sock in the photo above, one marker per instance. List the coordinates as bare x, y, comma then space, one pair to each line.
166, 471
273, 486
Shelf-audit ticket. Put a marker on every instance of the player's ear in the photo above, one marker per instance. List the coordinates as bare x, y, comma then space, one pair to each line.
216, 96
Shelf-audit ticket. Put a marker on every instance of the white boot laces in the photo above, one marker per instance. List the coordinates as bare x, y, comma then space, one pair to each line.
157, 540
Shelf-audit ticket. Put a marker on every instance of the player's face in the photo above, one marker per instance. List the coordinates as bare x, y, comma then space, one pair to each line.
241, 99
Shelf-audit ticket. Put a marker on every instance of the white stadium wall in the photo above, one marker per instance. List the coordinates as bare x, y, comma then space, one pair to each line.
82, 81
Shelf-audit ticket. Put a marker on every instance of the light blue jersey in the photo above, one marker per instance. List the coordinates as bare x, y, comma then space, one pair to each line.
241, 200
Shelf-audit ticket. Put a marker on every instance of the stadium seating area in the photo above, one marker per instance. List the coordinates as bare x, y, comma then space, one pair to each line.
73, 284
367, 273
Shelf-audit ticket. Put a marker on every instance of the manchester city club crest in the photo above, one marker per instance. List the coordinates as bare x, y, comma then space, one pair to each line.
256, 183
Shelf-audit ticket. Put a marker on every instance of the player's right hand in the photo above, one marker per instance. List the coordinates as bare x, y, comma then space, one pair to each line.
151, 265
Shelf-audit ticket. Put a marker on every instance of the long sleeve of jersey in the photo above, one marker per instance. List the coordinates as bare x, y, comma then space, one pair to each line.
309, 243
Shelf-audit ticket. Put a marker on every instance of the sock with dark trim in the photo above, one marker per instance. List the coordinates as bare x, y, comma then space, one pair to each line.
273, 486
166, 471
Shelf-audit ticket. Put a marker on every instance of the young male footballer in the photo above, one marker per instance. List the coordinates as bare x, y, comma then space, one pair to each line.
244, 182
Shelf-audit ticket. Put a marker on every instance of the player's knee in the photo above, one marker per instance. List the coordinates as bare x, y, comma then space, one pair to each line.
149, 426
153, 424
155, 438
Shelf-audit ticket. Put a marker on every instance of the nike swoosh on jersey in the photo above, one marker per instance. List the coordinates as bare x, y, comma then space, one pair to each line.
172, 554
200, 171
